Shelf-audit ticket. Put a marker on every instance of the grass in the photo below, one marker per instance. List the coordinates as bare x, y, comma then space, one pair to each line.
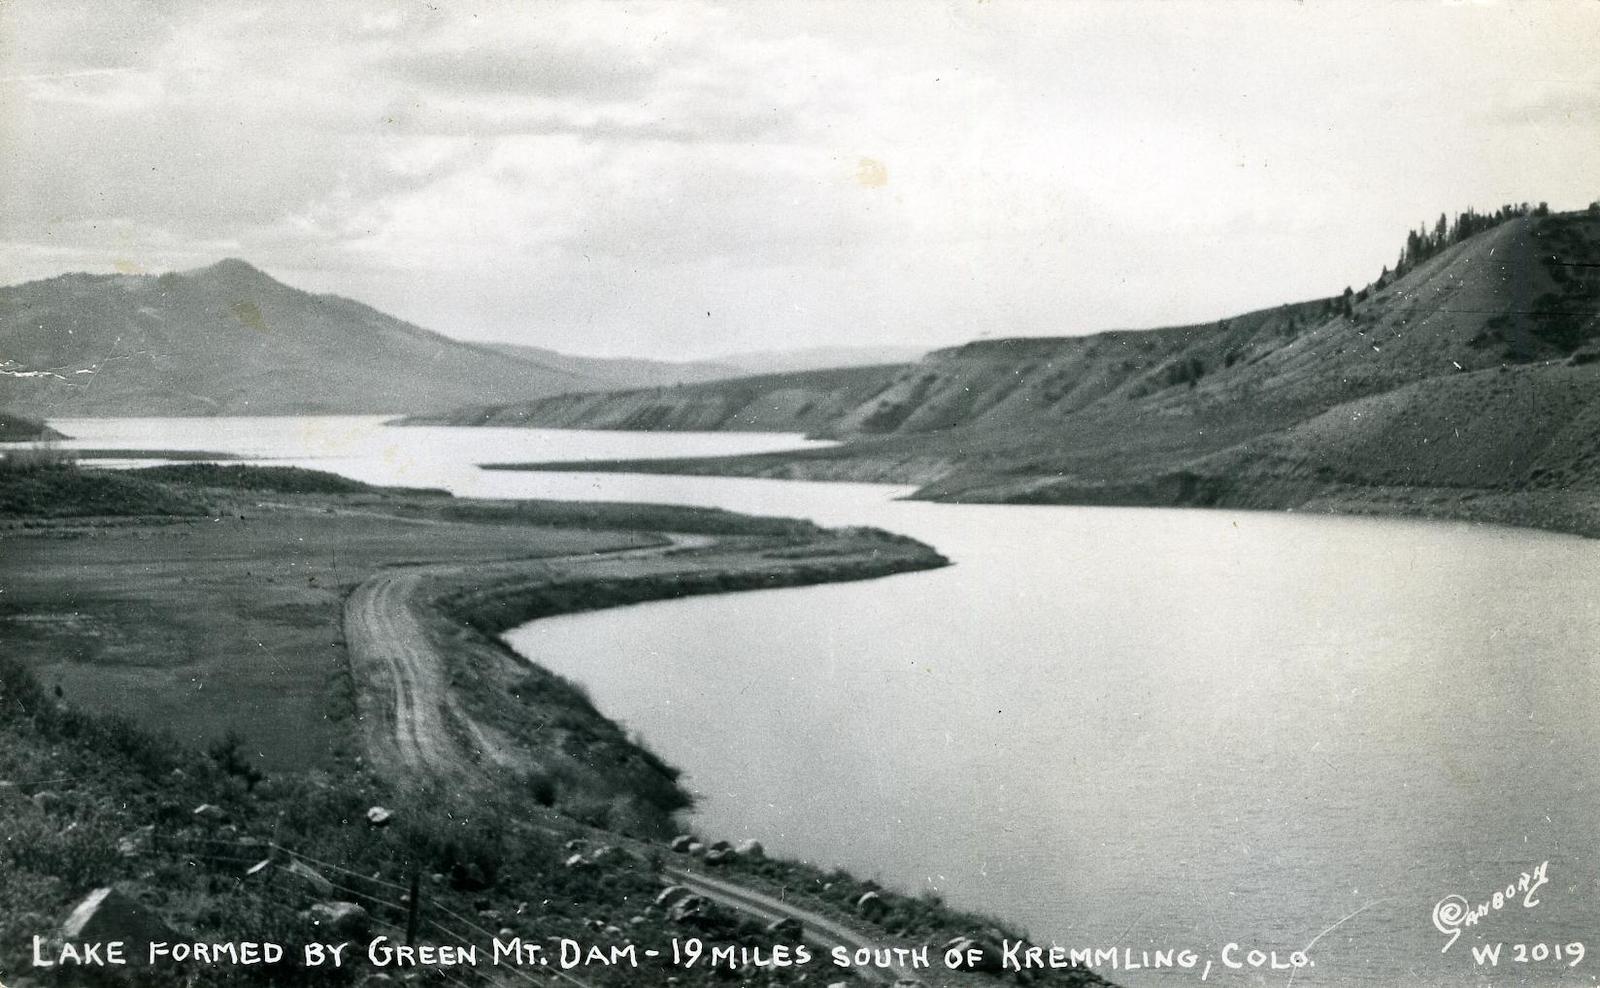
43, 484
152, 664
278, 480
16, 428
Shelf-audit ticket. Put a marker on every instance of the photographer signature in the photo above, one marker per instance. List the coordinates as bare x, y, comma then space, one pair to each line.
1453, 913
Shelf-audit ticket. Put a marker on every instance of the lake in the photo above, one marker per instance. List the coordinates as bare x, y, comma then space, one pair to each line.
1117, 728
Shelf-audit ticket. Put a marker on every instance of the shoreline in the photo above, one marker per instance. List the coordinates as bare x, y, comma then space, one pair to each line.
491, 693
1559, 511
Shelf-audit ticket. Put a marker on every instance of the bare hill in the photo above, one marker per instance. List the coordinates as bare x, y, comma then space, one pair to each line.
1472, 377
807, 401
228, 339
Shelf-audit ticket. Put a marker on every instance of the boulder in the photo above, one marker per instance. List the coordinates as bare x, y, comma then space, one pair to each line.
719, 855
787, 928
577, 861
309, 876
681, 843
210, 813
751, 849
108, 914
990, 960
871, 904
341, 919
379, 816
47, 800
606, 853
671, 894
696, 848
138, 842
689, 909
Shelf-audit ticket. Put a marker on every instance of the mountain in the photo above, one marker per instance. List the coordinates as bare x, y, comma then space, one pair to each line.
806, 401
819, 358
1470, 383
622, 372
228, 339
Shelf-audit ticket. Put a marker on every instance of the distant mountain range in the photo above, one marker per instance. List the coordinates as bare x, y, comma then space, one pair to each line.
623, 372
1474, 373
230, 340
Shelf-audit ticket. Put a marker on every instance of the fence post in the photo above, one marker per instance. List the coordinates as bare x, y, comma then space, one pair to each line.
413, 909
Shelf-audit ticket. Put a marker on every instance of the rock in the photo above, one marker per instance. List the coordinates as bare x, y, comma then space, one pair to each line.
209, 813
506, 933
308, 875
719, 855
672, 894
605, 854
108, 914
689, 909
752, 849
576, 844
379, 816
787, 928
577, 861
341, 919
695, 847
46, 800
258, 868
991, 953
721, 845
871, 904
681, 843
136, 843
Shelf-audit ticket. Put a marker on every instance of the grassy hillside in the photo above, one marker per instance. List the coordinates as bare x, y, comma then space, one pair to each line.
1464, 387
15, 428
804, 401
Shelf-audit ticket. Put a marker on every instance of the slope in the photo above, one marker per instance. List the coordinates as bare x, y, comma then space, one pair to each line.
228, 339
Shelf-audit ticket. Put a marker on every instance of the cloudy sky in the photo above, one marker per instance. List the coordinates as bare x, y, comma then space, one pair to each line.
682, 179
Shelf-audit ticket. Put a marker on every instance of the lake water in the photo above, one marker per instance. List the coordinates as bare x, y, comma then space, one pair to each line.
1117, 728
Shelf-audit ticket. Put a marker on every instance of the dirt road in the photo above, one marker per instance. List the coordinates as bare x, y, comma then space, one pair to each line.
819, 930
412, 721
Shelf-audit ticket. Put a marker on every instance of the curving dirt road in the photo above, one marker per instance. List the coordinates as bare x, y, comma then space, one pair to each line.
414, 724
819, 930
412, 721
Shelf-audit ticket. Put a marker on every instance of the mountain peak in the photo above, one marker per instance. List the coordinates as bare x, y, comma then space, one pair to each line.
233, 267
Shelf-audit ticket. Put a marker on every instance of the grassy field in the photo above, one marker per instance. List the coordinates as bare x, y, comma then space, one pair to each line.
230, 621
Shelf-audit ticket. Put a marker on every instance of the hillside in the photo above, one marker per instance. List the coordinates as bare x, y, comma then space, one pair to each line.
622, 372
228, 339
807, 401
14, 428
1477, 371
819, 358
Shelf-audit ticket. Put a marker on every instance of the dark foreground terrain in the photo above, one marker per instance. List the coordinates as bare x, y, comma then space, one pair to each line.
252, 700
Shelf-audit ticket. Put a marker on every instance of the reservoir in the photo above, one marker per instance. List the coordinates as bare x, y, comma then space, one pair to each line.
1129, 728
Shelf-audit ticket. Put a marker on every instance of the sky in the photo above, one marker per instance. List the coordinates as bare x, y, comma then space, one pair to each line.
682, 180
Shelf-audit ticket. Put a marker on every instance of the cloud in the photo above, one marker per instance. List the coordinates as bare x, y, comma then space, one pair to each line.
549, 70
599, 176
